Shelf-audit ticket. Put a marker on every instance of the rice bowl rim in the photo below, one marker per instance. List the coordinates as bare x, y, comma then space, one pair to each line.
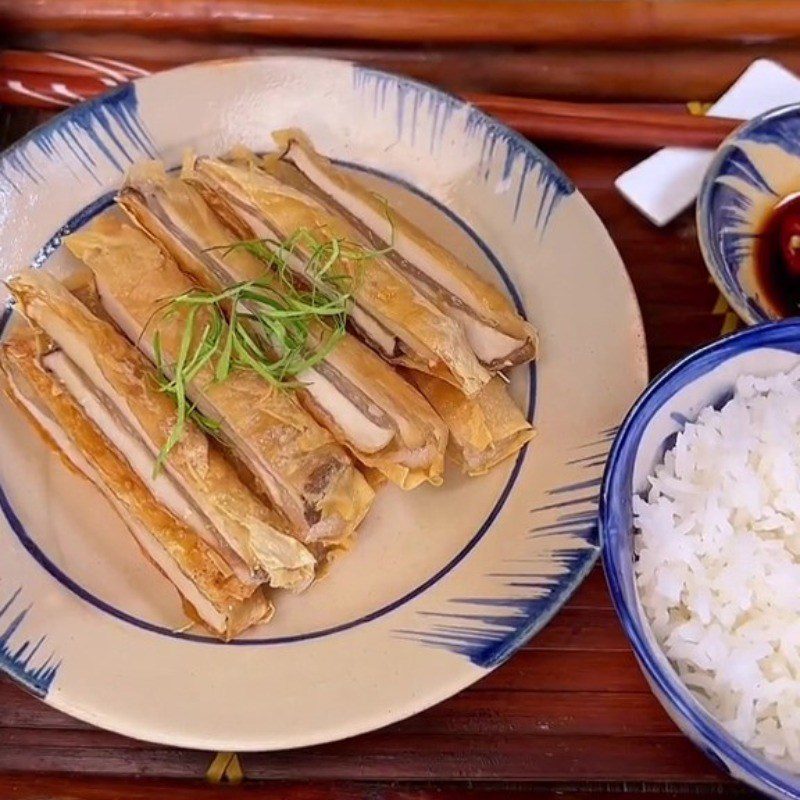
615, 518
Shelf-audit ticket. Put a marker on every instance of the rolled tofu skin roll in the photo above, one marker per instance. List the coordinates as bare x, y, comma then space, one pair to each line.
390, 313
499, 336
308, 477
384, 422
484, 430
210, 592
114, 382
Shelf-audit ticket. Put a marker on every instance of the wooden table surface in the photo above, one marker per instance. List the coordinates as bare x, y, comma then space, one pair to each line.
569, 714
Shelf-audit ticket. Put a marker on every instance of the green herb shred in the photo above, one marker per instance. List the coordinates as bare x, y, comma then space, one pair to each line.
269, 326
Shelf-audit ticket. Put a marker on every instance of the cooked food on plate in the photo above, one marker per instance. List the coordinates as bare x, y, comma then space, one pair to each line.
203, 370
485, 429
718, 561
499, 336
351, 391
295, 463
389, 312
212, 593
119, 391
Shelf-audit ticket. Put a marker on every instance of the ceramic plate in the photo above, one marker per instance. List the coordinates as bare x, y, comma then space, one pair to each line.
443, 584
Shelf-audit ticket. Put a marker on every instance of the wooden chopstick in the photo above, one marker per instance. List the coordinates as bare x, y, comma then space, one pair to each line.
53, 80
603, 22
607, 124
612, 133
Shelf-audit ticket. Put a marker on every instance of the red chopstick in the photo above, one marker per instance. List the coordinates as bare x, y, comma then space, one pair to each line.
56, 81
606, 124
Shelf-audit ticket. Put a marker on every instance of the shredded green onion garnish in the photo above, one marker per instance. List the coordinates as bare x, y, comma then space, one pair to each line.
268, 326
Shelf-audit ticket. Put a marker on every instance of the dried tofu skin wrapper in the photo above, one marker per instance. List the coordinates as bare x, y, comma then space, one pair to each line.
308, 477
203, 579
390, 313
370, 409
499, 336
417, 453
484, 430
116, 383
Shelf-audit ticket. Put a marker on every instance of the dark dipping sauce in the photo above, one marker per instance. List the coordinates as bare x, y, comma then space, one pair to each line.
777, 258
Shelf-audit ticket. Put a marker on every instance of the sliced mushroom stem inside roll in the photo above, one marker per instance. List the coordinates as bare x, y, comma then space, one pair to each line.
208, 586
390, 313
309, 479
368, 407
119, 391
497, 333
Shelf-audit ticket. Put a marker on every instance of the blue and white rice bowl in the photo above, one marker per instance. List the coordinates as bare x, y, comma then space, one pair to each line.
704, 378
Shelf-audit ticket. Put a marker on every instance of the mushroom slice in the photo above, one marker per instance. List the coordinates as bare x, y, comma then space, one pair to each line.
307, 476
210, 591
370, 409
499, 336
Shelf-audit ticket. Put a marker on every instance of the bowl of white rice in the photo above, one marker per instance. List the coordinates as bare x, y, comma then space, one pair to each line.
700, 523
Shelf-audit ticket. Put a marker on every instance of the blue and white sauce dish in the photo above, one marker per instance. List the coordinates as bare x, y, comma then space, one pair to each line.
443, 584
704, 378
756, 168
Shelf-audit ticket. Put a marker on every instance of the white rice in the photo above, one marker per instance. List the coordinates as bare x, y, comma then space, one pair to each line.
718, 567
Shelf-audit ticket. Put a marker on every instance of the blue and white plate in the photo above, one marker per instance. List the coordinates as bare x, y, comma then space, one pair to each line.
443, 584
